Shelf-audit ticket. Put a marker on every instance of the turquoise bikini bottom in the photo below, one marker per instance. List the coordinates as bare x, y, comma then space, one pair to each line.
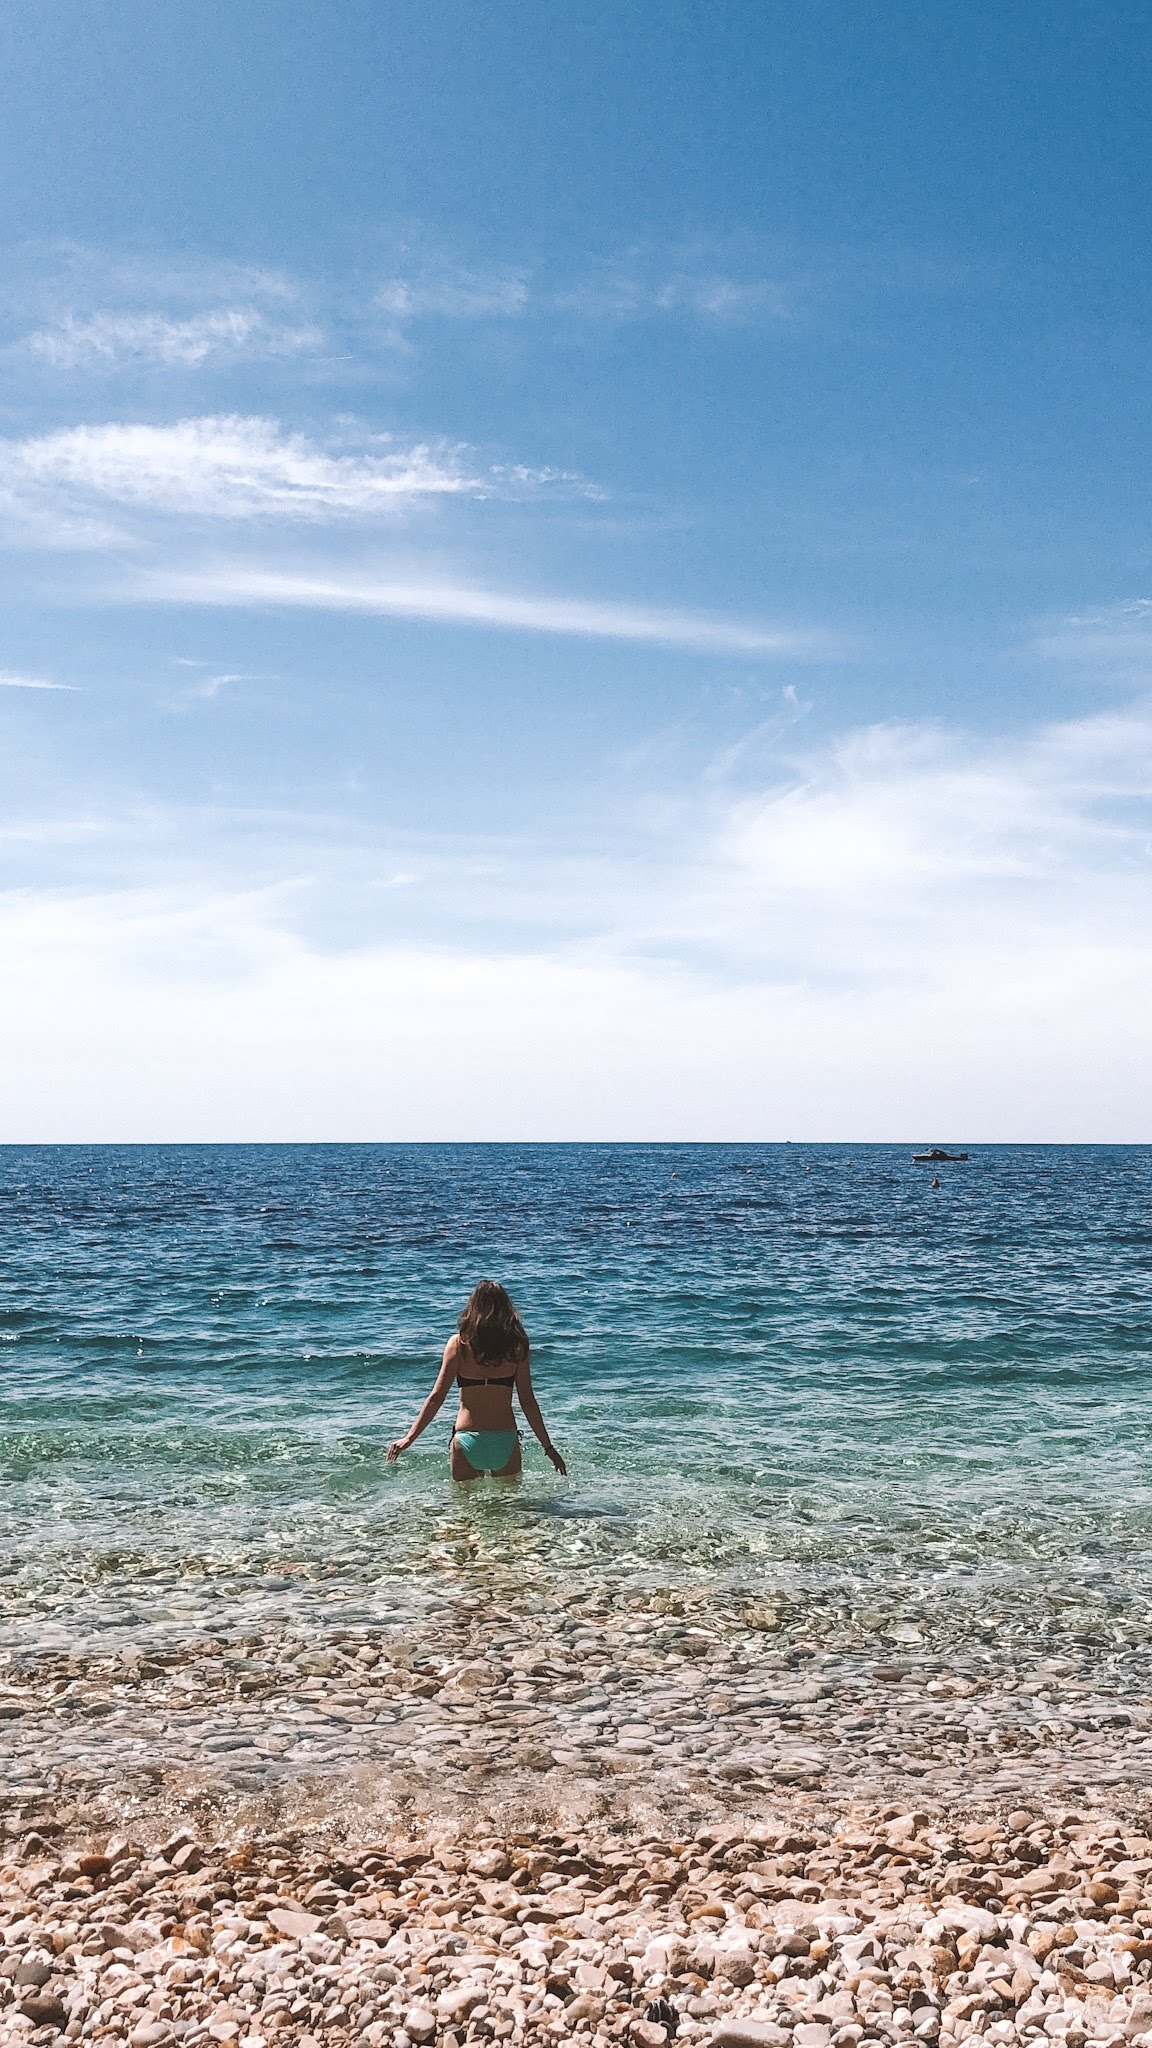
487, 1449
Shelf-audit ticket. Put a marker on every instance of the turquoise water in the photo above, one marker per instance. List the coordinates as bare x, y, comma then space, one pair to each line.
788, 1378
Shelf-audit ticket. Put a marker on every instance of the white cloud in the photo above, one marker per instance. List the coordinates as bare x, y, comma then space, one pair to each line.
612, 293
905, 857
915, 934
901, 806
460, 604
631, 291
1113, 643
687, 283
458, 294
8, 681
226, 467
95, 269
211, 686
143, 1018
119, 338
51, 283
61, 487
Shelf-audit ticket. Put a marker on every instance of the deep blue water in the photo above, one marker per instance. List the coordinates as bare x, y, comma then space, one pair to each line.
792, 1373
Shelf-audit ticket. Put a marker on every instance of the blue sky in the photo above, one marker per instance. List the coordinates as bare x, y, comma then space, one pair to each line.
574, 572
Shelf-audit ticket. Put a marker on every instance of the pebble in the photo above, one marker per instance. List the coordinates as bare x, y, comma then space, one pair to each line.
295, 1925
749, 2034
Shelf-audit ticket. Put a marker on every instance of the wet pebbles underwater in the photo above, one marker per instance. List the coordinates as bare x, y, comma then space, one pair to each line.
569, 1702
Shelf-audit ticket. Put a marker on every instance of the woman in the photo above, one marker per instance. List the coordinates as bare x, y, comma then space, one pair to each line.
489, 1359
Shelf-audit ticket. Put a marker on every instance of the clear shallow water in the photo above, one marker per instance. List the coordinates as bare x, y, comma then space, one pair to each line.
788, 1379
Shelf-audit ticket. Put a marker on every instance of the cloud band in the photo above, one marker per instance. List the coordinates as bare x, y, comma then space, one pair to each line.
461, 604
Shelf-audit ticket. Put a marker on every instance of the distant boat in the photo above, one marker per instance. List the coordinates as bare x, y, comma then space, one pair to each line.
937, 1154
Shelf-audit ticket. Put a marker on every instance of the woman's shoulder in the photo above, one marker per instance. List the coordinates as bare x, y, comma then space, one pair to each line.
453, 1348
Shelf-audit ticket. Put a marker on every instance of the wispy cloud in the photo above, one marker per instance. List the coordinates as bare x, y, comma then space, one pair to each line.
115, 339
645, 283
8, 681
455, 294
211, 686
470, 605
1114, 641
224, 467
237, 467
207, 682
636, 289
94, 309
900, 851
48, 282
66, 308
915, 931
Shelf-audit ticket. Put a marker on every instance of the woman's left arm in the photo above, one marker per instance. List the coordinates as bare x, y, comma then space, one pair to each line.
533, 1417
432, 1405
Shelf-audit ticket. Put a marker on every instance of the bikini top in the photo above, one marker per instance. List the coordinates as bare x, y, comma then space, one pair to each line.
461, 1381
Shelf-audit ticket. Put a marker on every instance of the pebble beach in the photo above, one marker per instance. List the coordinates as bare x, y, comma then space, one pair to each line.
821, 1927
541, 1842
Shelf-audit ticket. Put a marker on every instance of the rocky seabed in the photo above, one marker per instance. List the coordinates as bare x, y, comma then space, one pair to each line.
640, 1704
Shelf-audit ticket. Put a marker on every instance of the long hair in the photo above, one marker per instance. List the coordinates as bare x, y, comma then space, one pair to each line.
491, 1328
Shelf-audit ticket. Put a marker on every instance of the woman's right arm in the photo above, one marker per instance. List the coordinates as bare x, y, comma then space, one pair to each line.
532, 1416
432, 1405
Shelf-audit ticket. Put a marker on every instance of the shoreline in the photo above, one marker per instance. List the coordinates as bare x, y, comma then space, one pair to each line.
547, 1703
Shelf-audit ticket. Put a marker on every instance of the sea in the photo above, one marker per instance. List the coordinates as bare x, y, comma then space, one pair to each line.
800, 1382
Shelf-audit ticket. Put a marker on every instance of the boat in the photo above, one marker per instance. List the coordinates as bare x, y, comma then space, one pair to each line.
935, 1155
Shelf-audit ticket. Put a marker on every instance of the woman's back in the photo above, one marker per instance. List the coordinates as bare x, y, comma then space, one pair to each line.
486, 1387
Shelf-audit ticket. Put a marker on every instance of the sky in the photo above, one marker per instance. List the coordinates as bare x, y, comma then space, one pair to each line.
575, 572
